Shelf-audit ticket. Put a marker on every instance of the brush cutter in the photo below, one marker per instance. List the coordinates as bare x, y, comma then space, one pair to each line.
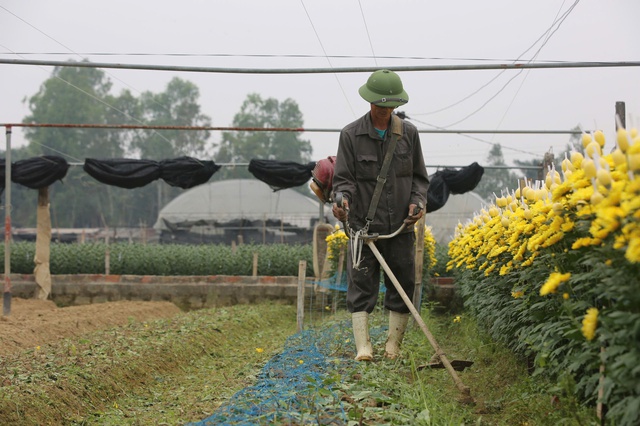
439, 359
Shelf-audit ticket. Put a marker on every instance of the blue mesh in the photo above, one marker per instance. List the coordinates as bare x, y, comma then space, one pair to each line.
331, 283
292, 386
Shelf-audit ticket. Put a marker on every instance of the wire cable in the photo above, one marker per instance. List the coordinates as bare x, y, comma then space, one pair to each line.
366, 28
266, 55
549, 34
472, 137
86, 93
327, 57
501, 72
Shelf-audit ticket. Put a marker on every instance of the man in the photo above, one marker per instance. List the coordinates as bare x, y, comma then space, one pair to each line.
361, 152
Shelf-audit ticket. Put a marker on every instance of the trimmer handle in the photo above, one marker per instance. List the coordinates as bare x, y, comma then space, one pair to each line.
340, 199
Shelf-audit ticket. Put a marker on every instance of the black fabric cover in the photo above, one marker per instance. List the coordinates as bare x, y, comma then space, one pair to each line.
187, 172
451, 181
123, 172
438, 192
36, 172
281, 174
463, 180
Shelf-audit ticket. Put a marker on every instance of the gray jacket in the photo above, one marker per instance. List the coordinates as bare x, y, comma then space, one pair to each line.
360, 155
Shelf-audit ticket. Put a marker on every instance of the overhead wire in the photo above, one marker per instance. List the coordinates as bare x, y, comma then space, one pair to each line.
472, 137
327, 56
499, 74
517, 74
549, 34
344, 94
366, 28
557, 22
91, 95
81, 90
267, 55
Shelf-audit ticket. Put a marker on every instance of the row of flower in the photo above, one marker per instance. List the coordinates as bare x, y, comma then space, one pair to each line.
553, 270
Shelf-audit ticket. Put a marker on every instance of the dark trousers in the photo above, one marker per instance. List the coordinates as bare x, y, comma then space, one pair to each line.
364, 283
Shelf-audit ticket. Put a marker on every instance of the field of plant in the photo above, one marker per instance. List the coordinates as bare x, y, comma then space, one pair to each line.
552, 270
164, 259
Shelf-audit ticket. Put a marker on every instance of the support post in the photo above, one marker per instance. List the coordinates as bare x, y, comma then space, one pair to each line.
334, 305
302, 269
41, 271
419, 263
255, 264
621, 114
6, 296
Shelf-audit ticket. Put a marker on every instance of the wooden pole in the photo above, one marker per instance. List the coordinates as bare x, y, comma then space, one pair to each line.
334, 304
255, 264
107, 255
6, 296
302, 269
42, 272
601, 409
621, 114
419, 263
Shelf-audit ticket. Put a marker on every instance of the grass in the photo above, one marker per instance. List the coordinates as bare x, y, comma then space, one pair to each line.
160, 372
170, 372
503, 390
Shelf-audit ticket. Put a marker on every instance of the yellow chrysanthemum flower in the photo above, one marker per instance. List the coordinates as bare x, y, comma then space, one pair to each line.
589, 323
553, 282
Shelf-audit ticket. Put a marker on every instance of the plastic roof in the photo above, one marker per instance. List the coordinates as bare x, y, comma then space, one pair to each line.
234, 199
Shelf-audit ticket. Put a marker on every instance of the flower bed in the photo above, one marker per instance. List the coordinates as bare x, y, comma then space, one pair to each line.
553, 269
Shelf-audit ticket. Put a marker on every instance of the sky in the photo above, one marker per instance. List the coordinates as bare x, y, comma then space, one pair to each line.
303, 34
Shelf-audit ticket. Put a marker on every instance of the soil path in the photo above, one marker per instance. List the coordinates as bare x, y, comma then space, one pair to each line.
39, 322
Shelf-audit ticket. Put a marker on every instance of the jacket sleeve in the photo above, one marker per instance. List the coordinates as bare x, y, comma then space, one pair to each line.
344, 173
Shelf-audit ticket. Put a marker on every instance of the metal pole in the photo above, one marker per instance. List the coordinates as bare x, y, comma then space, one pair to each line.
6, 297
283, 129
333, 70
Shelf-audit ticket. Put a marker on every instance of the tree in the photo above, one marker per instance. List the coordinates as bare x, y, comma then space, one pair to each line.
82, 96
496, 180
72, 96
242, 146
176, 106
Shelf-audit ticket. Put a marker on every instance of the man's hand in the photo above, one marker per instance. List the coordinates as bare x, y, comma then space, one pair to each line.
340, 212
416, 211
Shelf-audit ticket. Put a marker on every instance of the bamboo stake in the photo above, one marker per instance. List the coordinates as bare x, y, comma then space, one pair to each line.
302, 269
6, 296
255, 264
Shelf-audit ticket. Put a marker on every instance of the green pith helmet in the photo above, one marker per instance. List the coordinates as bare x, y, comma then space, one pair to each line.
384, 88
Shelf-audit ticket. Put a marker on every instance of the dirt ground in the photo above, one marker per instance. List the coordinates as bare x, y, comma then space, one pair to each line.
34, 323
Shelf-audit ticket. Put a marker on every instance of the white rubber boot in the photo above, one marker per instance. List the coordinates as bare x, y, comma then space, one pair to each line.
397, 326
360, 321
